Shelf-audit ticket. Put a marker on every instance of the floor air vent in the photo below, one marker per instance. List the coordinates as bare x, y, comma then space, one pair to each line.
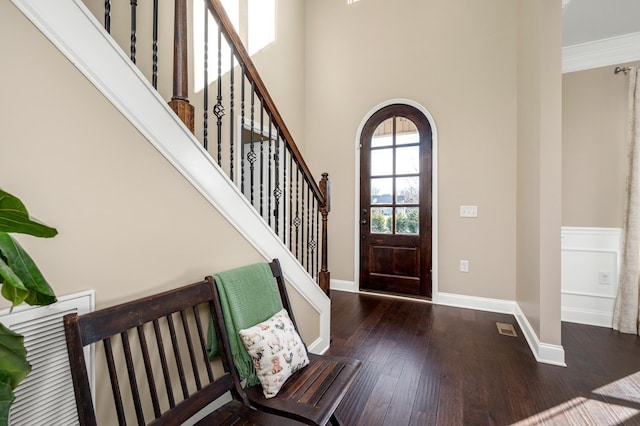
47, 392
506, 329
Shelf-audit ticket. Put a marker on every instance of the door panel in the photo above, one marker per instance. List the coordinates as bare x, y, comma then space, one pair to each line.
395, 202
400, 261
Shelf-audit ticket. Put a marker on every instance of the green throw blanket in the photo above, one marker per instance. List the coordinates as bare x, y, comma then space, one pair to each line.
248, 296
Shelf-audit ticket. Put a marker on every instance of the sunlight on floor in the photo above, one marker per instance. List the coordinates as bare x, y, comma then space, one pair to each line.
581, 411
623, 403
626, 389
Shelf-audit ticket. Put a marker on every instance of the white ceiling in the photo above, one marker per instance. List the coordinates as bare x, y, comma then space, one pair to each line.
585, 21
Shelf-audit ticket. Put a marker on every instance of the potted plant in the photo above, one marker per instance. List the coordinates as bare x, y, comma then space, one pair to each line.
21, 282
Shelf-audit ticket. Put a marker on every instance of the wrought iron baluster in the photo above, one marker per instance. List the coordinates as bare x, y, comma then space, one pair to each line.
218, 109
205, 94
252, 151
134, 7
269, 189
313, 244
284, 188
302, 220
154, 77
231, 121
107, 15
261, 160
277, 192
308, 224
296, 221
291, 201
242, 130
317, 219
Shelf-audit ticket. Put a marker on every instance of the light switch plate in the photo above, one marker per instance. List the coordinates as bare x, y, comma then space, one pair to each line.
468, 211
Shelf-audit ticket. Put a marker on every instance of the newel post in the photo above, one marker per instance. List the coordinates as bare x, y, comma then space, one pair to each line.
324, 277
180, 100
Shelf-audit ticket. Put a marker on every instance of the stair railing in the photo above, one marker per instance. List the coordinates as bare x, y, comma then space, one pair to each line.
238, 123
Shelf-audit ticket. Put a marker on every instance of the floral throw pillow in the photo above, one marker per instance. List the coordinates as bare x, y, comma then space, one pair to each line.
276, 349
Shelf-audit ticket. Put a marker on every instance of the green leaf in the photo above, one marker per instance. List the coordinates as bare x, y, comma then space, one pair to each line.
13, 357
15, 218
12, 287
13, 368
6, 398
39, 292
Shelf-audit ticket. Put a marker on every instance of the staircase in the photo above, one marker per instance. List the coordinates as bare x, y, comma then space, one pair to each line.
243, 160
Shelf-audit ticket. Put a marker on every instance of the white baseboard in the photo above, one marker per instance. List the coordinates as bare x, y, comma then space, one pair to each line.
587, 317
477, 303
543, 352
343, 285
318, 346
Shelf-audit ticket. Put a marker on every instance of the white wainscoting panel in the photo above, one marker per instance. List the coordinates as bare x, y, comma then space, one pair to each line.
586, 253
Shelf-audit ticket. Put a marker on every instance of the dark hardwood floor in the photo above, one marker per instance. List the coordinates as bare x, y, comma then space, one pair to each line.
426, 364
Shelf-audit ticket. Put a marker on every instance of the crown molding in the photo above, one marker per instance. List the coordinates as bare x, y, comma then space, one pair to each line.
600, 53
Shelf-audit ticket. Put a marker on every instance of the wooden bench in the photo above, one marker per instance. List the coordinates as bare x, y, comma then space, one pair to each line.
154, 351
312, 394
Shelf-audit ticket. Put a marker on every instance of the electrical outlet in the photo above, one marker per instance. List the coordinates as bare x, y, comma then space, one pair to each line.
464, 266
468, 211
604, 278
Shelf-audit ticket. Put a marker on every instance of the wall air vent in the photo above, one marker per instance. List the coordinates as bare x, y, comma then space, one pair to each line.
47, 392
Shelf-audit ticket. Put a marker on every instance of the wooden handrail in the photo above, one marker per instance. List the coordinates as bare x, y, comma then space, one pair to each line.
252, 74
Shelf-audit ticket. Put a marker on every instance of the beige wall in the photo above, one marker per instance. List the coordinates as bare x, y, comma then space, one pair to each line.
594, 147
129, 224
458, 60
539, 166
282, 67
528, 206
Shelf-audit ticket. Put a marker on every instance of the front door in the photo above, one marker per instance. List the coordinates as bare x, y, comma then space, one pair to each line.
395, 202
